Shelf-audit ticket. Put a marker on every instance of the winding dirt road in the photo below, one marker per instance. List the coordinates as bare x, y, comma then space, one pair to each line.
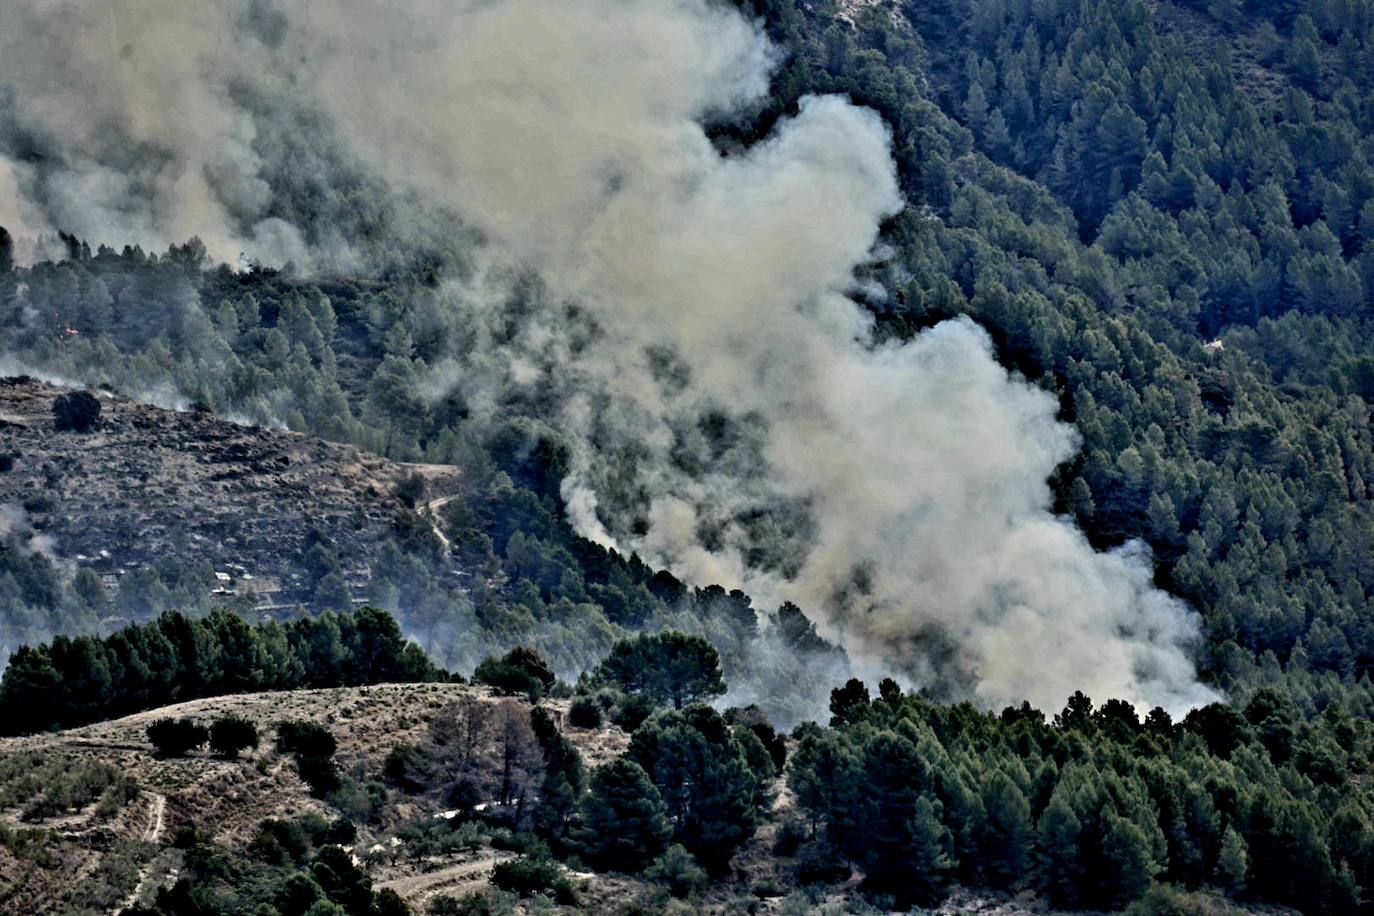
432, 508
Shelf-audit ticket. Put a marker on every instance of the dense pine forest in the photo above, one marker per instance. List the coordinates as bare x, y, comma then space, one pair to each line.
1163, 215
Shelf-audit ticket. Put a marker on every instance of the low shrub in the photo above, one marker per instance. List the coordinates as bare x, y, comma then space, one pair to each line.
489, 902
766, 888
231, 735
76, 411
585, 712
633, 710
820, 863
320, 774
306, 739
281, 843
116, 796
176, 737
64, 786
519, 671
526, 876
409, 770
313, 746
677, 871
791, 835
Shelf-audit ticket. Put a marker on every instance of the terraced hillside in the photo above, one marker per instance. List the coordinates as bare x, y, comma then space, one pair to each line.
149, 483
94, 803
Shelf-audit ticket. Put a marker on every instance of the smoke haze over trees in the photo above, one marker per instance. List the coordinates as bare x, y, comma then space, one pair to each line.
927, 351
729, 410
702, 316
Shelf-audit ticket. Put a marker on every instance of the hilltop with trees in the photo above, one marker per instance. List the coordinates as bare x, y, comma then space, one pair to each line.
897, 802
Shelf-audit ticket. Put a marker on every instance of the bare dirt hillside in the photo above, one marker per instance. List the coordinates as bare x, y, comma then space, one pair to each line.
149, 482
126, 855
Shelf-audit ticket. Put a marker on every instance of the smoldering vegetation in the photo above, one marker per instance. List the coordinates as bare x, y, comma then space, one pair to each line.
682, 319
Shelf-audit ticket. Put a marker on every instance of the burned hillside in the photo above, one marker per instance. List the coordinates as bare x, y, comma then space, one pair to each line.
154, 510
254, 508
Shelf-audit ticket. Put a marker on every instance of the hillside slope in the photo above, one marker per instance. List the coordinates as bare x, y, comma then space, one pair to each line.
69, 853
150, 482
160, 510
118, 852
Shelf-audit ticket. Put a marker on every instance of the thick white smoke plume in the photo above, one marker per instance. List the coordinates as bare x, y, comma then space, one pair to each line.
730, 412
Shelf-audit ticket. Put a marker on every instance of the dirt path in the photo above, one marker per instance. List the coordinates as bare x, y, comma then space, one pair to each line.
434, 505
157, 819
417, 890
432, 508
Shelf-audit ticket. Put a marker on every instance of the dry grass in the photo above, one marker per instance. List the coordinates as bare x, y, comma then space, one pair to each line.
85, 862
227, 799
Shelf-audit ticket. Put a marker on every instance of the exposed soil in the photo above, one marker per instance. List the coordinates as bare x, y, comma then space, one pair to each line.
227, 799
147, 483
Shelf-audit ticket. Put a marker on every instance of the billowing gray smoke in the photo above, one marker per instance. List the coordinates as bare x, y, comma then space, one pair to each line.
119, 127
731, 415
